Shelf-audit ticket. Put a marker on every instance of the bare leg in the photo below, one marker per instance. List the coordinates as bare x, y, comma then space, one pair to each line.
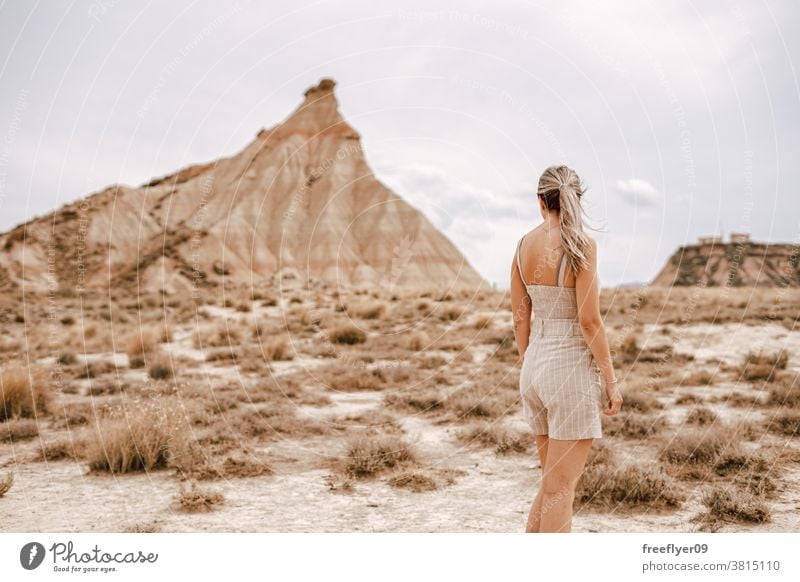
565, 463
535, 514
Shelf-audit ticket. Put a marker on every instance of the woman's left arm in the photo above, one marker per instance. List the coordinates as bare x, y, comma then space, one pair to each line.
520, 309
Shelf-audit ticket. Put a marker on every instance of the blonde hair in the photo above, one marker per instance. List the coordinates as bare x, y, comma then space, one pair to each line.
561, 189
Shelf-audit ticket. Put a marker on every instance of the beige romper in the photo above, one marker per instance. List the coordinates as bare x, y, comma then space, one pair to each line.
560, 383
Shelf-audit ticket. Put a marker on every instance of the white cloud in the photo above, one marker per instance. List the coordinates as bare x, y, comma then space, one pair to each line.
638, 191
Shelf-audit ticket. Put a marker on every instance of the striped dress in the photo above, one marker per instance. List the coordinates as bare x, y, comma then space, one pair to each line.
560, 384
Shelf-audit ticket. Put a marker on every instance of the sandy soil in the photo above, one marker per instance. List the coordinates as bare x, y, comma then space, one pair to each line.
490, 492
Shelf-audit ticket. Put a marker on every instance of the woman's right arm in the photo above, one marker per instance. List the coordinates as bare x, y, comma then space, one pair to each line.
587, 293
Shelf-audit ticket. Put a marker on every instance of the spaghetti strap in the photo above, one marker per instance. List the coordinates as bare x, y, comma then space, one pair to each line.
561, 271
519, 264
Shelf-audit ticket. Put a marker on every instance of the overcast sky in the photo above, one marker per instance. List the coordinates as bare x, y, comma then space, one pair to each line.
682, 118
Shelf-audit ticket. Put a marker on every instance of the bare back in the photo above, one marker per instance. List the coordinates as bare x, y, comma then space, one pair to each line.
540, 255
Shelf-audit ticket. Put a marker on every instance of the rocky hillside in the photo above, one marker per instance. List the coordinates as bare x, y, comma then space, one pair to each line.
744, 263
299, 201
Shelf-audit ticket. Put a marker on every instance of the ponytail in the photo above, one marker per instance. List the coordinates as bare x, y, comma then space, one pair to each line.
561, 190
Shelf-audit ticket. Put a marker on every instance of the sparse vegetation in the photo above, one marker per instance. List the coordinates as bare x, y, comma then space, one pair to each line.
141, 437
501, 440
367, 456
701, 415
5, 483
347, 334
196, 499
418, 341
140, 345
23, 393
20, 429
727, 504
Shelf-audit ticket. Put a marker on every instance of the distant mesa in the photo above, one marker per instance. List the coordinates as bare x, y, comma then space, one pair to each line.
299, 202
740, 262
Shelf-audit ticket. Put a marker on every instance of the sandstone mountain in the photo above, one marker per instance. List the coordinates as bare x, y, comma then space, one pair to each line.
738, 263
298, 202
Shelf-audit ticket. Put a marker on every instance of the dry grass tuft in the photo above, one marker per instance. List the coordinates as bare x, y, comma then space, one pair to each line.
370, 310
18, 429
425, 480
64, 448
603, 484
142, 438
641, 402
6, 483
347, 334
367, 456
785, 423
23, 393
634, 425
701, 416
727, 504
161, 367
140, 345
502, 440
277, 350
198, 500
418, 341
786, 392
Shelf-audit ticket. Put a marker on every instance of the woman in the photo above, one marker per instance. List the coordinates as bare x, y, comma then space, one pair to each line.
564, 350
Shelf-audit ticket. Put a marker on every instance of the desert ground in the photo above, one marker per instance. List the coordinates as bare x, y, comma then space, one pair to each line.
303, 408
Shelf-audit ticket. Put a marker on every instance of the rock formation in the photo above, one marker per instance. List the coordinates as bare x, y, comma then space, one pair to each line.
298, 202
738, 263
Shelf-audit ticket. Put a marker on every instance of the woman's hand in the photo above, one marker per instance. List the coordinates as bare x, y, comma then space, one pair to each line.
613, 400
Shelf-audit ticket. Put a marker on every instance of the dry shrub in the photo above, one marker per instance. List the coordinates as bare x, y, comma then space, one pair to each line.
430, 362
344, 379
728, 504
697, 446
484, 322
641, 402
276, 420
222, 334
450, 313
786, 392
688, 399
347, 334
475, 402
142, 436
778, 360
420, 399
18, 429
367, 456
629, 350
140, 345
416, 481
370, 310
418, 341
198, 500
502, 440
23, 393
64, 448
146, 527
785, 423
194, 462
701, 416
277, 350
609, 486
161, 367
701, 378
425, 480
633, 425
758, 366
5, 483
